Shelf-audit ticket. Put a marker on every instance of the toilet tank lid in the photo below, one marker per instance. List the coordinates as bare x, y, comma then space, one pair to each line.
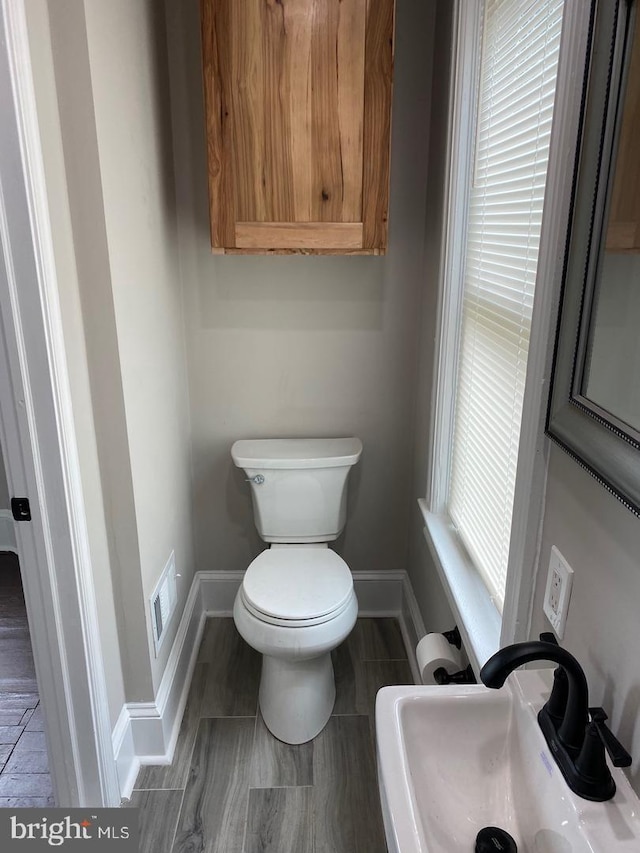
296, 452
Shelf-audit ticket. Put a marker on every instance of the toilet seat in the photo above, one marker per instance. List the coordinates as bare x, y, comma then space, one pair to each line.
297, 587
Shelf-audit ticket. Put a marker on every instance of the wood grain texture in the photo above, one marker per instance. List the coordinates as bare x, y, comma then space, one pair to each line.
214, 807
285, 97
18, 701
341, 252
623, 233
27, 803
24, 765
377, 639
215, 20
27, 762
357, 682
157, 818
280, 820
277, 764
243, 783
377, 122
337, 76
25, 785
291, 235
232, 676
347, 816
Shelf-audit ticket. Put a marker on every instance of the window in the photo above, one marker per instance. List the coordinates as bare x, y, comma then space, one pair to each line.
517, 77
509, 54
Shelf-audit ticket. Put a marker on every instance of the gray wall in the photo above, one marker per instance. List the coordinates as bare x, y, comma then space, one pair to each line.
4, 488
99, 522
105, 95
424, 579
304, 346
600, 539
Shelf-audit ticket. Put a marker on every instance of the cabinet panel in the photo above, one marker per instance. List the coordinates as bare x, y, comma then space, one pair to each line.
298, 235
297, 98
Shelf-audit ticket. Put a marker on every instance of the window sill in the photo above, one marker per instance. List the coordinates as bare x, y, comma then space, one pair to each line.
477, 617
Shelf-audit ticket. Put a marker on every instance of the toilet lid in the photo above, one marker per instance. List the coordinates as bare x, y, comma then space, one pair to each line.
297, 584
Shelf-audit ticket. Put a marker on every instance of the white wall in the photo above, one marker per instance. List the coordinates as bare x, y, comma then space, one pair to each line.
304, 346
600, 539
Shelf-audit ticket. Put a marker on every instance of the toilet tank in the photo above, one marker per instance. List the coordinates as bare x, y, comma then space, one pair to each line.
298, 485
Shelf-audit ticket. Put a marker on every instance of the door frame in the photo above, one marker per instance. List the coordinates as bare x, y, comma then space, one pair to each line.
37, 435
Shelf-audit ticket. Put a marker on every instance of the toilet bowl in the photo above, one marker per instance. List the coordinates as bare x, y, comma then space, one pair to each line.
295, 605
297, 602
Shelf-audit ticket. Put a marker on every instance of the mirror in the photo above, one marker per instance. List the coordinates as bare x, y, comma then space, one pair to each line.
594, 407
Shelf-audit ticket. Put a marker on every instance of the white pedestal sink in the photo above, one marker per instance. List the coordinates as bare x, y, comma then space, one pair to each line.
454, 759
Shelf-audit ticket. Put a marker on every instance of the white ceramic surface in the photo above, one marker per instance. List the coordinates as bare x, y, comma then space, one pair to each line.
454, 759
297, 603
296, 452
297, 687
299, 584
298, 486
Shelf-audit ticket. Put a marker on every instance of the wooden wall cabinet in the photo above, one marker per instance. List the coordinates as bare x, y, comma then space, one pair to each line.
298, 124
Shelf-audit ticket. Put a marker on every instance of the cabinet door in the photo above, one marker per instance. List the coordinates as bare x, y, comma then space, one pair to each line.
298, 109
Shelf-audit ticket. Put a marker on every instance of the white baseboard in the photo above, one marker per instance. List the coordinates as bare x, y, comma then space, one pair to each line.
7, 532
127, 762
146, 732
411, 625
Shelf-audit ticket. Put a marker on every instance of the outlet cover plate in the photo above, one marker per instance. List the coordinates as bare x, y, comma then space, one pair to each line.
558, 591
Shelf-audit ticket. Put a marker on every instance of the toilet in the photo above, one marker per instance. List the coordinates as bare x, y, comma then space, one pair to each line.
296, 602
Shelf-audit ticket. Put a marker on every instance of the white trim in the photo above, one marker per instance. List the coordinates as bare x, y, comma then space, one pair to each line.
379, 593
528, 504
476, 615
124, 751
411, 626
218, 591
460, 135
7, 531
146, 732
41, 453
532, 460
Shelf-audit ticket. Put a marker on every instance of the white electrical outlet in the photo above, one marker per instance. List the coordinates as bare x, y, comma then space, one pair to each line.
558, 591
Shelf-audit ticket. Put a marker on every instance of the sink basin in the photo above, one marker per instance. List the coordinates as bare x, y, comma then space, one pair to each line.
454, 759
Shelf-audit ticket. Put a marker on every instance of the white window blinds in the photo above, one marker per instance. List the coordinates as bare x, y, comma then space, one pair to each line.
518, 67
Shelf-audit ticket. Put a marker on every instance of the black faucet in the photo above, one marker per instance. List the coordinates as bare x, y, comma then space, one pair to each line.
576, 745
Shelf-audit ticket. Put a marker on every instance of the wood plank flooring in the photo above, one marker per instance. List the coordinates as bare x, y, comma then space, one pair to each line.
24, 769
234, 788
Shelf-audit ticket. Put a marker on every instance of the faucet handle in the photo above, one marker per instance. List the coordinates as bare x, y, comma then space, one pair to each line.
617, 753
556, 705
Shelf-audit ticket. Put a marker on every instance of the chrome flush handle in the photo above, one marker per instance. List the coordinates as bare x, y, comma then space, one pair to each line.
257, 479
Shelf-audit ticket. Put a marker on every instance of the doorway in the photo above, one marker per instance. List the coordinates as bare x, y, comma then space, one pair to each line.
37, 433
25, 781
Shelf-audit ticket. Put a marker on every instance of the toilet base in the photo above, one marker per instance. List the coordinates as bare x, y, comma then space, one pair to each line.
297, 697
